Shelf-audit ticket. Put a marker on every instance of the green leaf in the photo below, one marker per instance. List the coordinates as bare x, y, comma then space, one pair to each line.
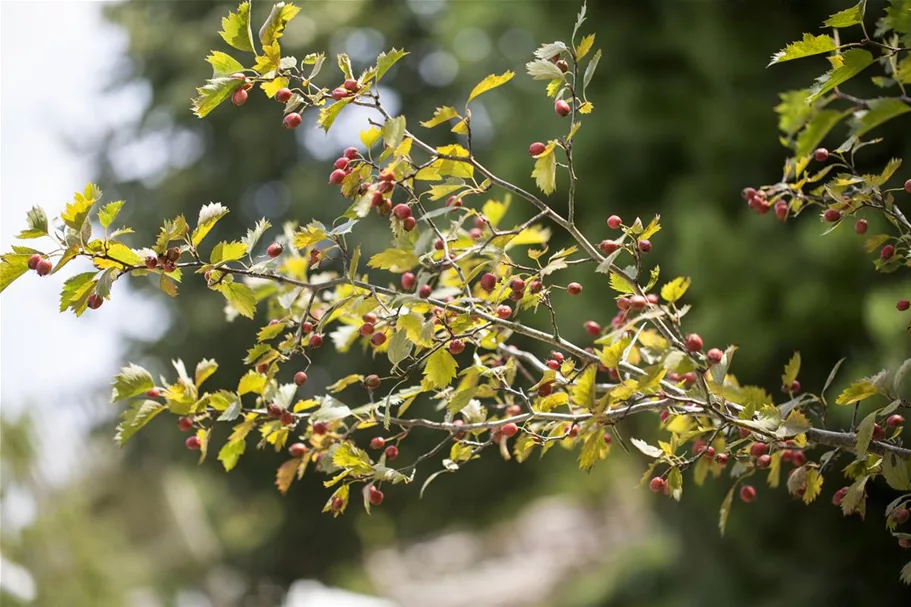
897, 472
208, 216
856, 392
545, 171
132, 381
854, 498
255, 233
590, 70
725, 510
674, 290
594, 449
878, 112
327, 115
810, 45
108, 213
791, 370
310, 235
583, 392
240, 297
489, 83
75, 291
853, 62
394, 131
543, 69
76, 212
216, 91
274, 26
223, 64
236, 29
812, 485
441, 115
461, 399
864, 436
621, 283
12, 266
399, 348
252, 382
848, 17
171, 230
37, 224
440, 369
394, 260
134, 418
230, 453
227, 251
204, 370
816, 130
386, 61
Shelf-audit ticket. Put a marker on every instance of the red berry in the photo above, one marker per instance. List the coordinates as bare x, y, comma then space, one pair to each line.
239, 97
297, 449
341, 163
401, 211
316, 340
409, 223
908, 186
644, 246
300, 378
638, 302
337, 504
377, 199
552, 364
781, 210
798, 458
193, 443
372, 382
391, 452
878, 432
151, 262
408, 281
94, 301
563, 65
886, 253
513, 410
336, 176
153, 393
44, 267
292, 121
456, 346
614, 222
832, 215
185, 424
710, 452
901, 516
839, 496
283, 95
378, 339
546, 389
747, 494
34, 259
536, 148
273, 410
652, 298
688, 378
306, 327
758, 449
424, 291
367, 329
763, 461
387, 175
591, 327
320, 427
339, 93
662, 417
275, 249
558, 356
795, 386
375, 496
262, 367
607, 438
821, 154
488, 281
894, 421
748, 193
573, 288
699, 446
562, 108
904, 542
536, 286
722, 459
714, 356
861, 226
608, 246
504, 311
902, 305
351, 84
517, 284
657, 484
573, 431
438, 244
509, 430
693, 342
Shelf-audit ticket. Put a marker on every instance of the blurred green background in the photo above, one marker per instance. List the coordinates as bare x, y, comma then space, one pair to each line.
683, 120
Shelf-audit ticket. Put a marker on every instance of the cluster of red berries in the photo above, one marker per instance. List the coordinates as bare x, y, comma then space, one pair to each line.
343, 166
166, 261
369, 329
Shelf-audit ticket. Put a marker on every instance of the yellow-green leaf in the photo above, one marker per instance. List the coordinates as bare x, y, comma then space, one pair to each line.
214, 93
394, 260
235, 28
440, 369
856, 392
809, 45
594, 449
441, 115
585, 45
309, 235
674, 290
545, 171
274, 26
489, 83
228, 251
208, 216
240, 297
791, 370
583, 392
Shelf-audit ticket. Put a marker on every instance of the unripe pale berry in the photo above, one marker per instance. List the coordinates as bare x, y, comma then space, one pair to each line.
902, 305
33, 261
747, 494
693, 342
861, 226
488, 281
573, 288
408, 281
821, 154
375, 496
456, 346
44, 267
185, 424
591, 327
275, 249
292, 121
391, 452
894, 421
504, 311
614, 222
885, 253
714, 356
562, 108
300, 378
401, 211
536, 148
657, 484
283, 95
509, 430
832, 215
608, 246
378, 339
239, 97
644, 246
192, 443
424, 291
316, 340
